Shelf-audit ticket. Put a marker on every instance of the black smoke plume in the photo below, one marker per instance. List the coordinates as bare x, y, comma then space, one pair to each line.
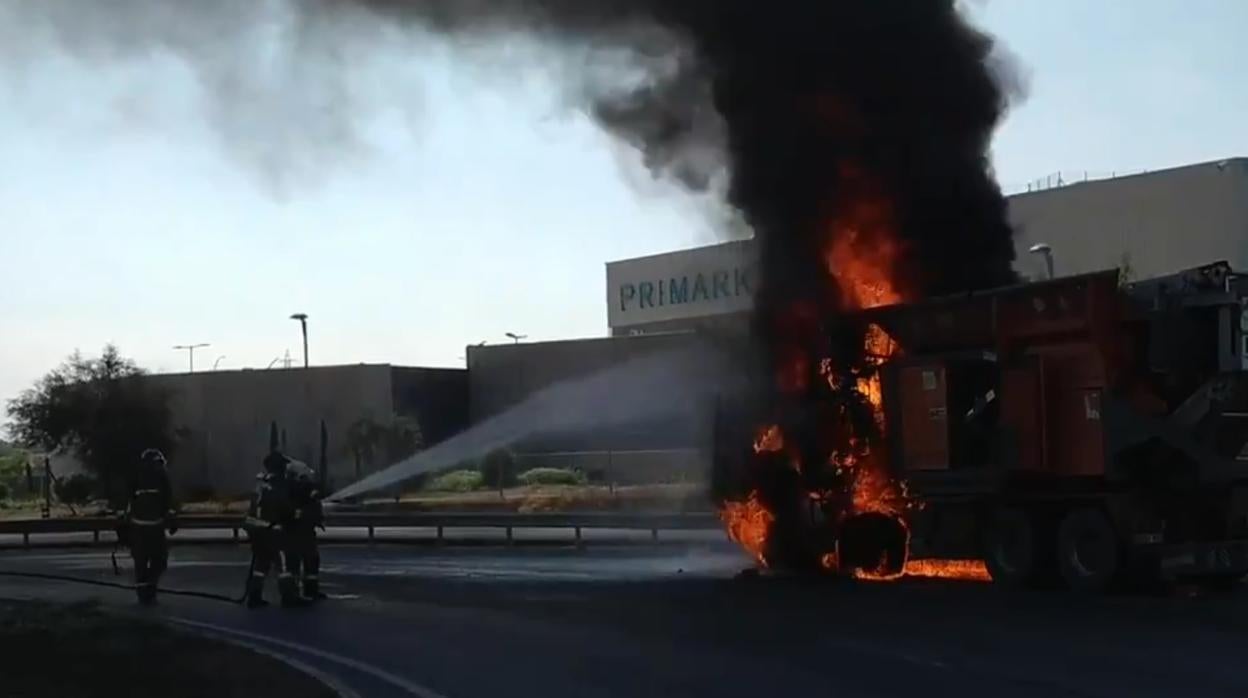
773, 97
830, 118
792, 91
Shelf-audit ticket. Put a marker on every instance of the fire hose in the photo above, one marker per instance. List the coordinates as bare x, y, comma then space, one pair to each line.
251, 566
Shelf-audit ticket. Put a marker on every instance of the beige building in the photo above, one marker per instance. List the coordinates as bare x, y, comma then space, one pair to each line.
1153, 223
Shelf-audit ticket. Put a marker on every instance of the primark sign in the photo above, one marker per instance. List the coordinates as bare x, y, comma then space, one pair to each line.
689, 284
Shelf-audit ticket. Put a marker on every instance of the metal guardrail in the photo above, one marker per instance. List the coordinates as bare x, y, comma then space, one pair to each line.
440, 521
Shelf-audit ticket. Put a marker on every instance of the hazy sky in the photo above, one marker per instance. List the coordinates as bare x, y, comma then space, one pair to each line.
466, 199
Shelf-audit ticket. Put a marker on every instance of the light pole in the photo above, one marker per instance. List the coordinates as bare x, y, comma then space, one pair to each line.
217, 362
1046, 250
190, 350
303, 324
515, 338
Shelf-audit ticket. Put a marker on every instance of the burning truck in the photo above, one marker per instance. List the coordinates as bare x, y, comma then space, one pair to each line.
1077, 430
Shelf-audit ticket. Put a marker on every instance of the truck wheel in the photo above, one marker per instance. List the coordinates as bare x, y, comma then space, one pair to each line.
1089, 553
1011, 550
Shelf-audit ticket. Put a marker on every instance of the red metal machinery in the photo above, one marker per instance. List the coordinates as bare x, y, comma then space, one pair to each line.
1077, 429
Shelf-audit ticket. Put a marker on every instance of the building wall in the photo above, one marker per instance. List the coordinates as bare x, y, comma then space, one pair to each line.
1158, 223
655, 390
223, 417
436, 397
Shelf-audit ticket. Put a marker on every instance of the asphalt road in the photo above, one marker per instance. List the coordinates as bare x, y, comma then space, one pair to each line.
675, 620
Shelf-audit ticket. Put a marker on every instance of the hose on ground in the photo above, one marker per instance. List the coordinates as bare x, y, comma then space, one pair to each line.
131, 587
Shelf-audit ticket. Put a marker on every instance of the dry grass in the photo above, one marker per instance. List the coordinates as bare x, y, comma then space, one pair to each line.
215, 507
550, 498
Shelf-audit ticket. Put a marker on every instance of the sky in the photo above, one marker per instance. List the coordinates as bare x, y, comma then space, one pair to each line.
413, 197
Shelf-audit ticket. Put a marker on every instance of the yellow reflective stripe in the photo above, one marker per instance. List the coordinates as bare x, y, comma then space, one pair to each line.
253, 521
147, 522
138, 492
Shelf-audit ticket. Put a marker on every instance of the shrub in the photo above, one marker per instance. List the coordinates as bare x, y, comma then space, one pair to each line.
456, 481
4, 491
75, 489
499, 468
552, 476
13, 469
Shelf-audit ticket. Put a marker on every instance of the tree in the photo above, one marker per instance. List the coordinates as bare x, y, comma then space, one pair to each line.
369, 439
98, 409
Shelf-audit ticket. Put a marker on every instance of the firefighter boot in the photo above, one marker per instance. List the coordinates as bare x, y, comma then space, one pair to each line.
146, 593
255, 592
312, 589
291, 598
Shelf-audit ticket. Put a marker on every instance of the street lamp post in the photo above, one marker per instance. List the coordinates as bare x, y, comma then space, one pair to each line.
515, 338
190, 350
1046, 251
217, 362
303, 324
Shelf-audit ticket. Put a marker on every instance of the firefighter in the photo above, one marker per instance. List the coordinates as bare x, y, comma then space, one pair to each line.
149, 513
267, 525
305, 557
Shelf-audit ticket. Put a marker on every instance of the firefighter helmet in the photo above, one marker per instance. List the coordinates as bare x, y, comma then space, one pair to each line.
153, 456
300, 471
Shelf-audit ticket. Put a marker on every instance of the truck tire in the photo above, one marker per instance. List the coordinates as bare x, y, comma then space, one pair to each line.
1011, 548
1089, 551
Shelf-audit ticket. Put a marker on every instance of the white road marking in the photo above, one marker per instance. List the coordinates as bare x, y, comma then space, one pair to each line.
337, 686
379, 674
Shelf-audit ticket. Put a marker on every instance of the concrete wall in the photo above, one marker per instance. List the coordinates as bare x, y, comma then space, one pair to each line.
1159, 222
726, 323
223, 417
644, 413
436, 397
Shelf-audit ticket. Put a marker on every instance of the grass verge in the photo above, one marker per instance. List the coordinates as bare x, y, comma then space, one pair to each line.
556, 498
54, 651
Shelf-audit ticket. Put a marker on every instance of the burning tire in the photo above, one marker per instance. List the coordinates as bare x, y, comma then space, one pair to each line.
1014, 549
874, 545
1089, 551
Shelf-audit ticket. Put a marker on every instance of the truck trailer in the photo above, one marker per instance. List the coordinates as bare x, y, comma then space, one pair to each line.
1081, 431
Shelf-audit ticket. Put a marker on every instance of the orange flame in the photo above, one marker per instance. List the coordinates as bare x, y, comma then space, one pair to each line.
928, 568
770, 440
749, 523
862, 254
969, 570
